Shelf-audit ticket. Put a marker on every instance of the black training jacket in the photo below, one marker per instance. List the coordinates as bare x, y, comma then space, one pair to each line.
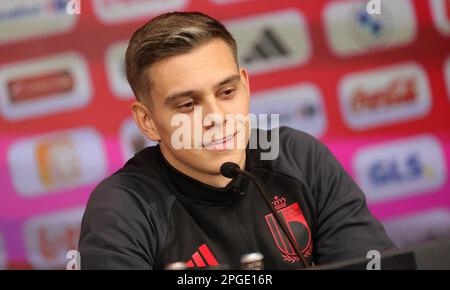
147, 214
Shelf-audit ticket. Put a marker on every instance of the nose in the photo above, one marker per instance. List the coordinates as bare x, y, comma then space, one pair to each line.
213, 113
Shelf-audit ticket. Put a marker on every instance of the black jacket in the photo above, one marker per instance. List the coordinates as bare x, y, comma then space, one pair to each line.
147, 214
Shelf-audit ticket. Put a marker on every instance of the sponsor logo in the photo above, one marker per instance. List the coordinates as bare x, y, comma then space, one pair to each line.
384, 96
441, 15
56, 161
27, 89
271, 41
297, 225
129, 10
132, 139
202, 258
401, 168
115, 61
420, 227
23, 19
300, 107
2, 254
351, 29
49, 237
43, 86
447, 75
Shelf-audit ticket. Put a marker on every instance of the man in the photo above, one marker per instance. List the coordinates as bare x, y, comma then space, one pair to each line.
170, 203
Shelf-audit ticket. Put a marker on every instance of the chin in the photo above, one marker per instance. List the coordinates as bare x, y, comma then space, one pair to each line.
216, 159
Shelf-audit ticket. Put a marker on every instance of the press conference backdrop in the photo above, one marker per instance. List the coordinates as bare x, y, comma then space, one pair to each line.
374, 88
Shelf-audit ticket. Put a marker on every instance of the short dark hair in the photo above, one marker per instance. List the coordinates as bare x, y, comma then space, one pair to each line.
168, 35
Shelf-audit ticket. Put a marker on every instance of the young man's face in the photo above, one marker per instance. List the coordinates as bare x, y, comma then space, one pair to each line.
209, 80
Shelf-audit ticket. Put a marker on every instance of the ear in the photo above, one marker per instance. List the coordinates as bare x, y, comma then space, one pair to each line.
245, 80
143, 119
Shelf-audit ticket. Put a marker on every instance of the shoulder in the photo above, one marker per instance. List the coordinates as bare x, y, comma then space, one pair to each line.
293, 149
138, 185
293, 153
299, 141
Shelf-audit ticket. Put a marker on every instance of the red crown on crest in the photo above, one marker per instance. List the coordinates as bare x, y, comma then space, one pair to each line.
279, 202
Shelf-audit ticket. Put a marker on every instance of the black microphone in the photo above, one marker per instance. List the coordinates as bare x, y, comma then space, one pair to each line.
231, 170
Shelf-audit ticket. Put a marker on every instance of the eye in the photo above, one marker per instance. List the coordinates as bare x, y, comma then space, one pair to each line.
228, 92
186, 107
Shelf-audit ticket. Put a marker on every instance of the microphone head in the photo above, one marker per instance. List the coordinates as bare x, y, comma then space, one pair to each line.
229, 169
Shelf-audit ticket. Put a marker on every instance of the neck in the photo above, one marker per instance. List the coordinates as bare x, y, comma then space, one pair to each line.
210, 178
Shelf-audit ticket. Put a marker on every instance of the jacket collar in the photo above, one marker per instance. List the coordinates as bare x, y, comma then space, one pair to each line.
194, 190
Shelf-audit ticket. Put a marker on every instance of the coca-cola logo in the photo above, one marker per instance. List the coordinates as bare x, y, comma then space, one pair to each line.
386, 95
399, 91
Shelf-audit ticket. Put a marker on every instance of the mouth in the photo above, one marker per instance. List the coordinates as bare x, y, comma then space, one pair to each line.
221, 144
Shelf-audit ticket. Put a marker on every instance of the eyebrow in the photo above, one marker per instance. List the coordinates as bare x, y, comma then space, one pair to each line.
191, 93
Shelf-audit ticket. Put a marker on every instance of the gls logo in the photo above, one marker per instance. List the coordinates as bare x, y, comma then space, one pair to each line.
389, 171
399, 168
